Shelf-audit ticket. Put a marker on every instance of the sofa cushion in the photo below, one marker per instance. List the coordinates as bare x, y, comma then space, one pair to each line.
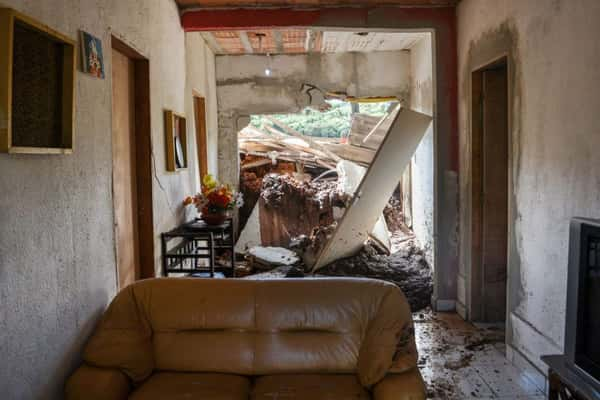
309, 387
189, 386
123, 339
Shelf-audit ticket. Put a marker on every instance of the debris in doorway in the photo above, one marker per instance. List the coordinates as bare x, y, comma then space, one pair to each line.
303, 211
394, 217
407, 268
309, 246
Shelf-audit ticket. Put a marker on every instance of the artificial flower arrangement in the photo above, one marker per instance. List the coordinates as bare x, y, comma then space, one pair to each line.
215, 200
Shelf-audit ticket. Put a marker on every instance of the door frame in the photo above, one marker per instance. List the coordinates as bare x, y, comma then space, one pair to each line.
199, 105
475, 276
143, 151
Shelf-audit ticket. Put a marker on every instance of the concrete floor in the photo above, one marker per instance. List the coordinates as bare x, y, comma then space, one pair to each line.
461, 361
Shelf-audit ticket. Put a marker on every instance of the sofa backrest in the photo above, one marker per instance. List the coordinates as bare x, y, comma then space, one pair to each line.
257, 327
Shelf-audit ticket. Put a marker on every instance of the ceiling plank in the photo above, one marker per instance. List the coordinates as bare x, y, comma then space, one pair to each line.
278, 42
246, 42
212, 43
309, 44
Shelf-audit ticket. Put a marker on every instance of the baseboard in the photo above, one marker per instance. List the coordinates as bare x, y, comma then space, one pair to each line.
444, 305
526, 346
461, 310
539, 378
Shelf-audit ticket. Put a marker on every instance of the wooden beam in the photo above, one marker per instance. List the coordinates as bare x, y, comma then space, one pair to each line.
212, 43
309, 44
278, 42
246, 42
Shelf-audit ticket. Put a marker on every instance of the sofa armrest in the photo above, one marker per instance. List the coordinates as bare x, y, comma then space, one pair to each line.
91, 383
405, 386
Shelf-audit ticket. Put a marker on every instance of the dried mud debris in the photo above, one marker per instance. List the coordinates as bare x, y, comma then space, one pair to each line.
446, 346
278, 190
407, 268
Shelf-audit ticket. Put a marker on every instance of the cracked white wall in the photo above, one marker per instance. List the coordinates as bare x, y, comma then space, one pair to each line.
57, 258
422, 189
553, 52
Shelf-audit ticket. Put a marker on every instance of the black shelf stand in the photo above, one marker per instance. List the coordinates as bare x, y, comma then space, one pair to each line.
198, 249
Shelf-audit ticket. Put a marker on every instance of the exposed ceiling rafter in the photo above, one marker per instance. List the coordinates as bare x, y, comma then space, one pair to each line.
246, 42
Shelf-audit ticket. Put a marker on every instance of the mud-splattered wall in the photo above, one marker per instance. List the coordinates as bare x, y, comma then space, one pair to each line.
243, 89
421, 99
57, 257
553, 52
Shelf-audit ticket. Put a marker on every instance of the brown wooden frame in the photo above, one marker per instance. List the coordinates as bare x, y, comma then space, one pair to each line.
143, 151
201, 133
171, 118
8, 17
476, 277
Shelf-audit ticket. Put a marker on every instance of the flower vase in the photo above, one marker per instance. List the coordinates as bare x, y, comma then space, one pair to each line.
214, 218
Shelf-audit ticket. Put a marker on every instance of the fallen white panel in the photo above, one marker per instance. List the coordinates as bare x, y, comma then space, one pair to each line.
381, 234
274, 255
377, 186
250, 235
350, 177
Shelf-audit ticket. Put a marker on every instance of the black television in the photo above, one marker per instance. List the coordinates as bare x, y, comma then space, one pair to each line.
582, 332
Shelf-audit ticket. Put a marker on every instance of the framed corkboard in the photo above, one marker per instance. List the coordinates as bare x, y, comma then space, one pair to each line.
176, 141
37, 86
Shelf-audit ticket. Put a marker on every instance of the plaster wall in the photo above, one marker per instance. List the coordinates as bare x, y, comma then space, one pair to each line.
422, 164
243, 89
201, 79
553, 53
57, 252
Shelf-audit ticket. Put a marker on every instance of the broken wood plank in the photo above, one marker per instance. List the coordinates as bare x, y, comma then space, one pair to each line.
256, 163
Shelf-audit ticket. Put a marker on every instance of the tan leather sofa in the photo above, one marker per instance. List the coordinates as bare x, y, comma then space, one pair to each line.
212, 339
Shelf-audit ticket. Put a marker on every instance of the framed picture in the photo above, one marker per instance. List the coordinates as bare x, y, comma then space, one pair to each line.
92, 58
176, 141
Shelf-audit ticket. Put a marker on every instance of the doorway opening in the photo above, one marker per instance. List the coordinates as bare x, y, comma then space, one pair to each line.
490, 191
300, 173
132, 164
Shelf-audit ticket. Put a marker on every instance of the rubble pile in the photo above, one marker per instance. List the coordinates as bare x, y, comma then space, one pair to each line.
278, 190
298, 189
309, 246
251, 178
290, 208
406, 268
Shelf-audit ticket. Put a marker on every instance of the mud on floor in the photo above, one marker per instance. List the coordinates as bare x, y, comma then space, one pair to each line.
459, 361
406, 268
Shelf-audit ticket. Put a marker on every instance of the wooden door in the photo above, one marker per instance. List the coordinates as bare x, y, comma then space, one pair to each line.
124, 168
201, 139
494, 193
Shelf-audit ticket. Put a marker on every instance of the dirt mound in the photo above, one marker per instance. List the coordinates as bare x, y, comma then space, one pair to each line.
407, 268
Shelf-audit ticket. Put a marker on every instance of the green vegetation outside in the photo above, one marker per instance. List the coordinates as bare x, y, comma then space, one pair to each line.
334, 122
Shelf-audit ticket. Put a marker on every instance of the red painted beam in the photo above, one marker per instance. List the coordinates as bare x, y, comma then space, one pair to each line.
247, 19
